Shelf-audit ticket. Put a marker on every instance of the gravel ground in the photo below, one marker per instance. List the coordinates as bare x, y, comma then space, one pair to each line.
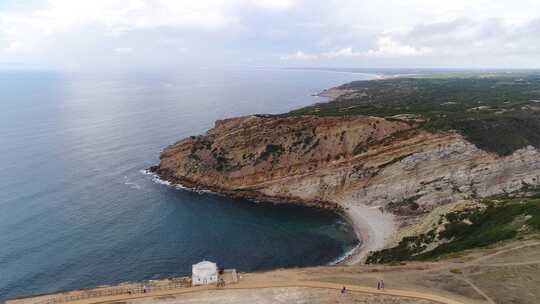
278, 295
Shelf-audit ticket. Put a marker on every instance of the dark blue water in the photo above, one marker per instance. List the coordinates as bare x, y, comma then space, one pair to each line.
76, 211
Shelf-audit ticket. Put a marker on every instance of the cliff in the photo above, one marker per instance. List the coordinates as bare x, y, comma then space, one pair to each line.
303, 159
373, 168
345, 161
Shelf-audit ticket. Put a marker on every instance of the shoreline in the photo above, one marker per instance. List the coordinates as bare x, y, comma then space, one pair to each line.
333, 93
373, 228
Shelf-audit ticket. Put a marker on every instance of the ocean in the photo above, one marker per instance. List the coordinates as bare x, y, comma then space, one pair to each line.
76, 209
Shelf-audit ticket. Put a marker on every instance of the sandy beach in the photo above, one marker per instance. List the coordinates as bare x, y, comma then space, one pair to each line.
375, 228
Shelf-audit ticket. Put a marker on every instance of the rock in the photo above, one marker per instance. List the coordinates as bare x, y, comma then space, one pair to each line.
325, 161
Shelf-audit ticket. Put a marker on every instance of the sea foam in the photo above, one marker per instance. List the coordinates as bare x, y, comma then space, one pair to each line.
156, 179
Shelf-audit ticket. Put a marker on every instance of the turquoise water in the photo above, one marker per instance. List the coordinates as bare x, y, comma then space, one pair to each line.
76, 211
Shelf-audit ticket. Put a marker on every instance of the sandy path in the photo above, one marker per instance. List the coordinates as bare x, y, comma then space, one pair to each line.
372, 226
259, 285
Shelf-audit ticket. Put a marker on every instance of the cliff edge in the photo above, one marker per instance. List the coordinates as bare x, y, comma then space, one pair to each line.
385, 173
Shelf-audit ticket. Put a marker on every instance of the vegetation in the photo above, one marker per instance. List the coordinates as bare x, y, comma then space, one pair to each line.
497, 112
489, 223
406, 205
456, 271
222, 162
271, 150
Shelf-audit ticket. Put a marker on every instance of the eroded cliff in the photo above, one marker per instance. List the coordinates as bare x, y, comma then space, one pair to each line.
385, 152
331, 160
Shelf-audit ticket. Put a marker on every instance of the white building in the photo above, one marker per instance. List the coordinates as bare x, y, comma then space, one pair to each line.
203, 273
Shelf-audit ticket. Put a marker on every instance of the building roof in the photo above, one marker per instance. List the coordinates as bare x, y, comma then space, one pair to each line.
204, 268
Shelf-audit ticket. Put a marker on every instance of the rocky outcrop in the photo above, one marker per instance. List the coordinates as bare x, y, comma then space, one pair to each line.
308, 159
369, 160
343, 161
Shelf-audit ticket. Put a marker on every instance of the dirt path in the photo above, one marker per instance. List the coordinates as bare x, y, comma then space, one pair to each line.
261, 285
502, 251
478, 262
478, 290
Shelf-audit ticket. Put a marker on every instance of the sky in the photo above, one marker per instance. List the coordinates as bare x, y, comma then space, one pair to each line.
120, 34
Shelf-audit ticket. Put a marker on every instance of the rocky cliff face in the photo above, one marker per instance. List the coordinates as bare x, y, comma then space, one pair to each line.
338, 161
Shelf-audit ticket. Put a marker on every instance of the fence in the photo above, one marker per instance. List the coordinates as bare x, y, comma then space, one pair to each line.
118, 290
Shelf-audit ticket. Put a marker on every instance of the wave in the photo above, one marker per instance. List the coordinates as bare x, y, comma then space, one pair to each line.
156, 179
131, 184
347, 254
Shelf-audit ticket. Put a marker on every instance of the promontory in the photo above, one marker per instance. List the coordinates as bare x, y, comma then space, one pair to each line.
423, 166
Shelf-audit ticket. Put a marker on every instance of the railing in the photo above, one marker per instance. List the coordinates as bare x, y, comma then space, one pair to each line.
118, 290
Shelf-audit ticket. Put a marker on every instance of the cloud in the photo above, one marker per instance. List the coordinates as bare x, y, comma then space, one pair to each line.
123, 50
14, 47
344, 52
330, 32
388, 47
33, 28
299, 55
38, 30
469, 38
116, 16
278, 5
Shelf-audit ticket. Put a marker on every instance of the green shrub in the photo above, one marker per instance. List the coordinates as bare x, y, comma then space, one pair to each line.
271, 150
446, 103
497, 222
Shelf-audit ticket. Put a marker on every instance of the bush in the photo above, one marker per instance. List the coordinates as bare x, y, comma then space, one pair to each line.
497, 222
503, 124
271, 150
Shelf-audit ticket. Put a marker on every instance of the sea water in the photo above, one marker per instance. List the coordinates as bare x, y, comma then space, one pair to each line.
77, 211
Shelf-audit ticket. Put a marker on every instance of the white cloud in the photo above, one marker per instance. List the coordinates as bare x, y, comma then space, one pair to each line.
123, 50
388, 47
224, 31
299, 55
278, 5
344, 52
37, 30
126, 15
393, 15
32, 29
14, 47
